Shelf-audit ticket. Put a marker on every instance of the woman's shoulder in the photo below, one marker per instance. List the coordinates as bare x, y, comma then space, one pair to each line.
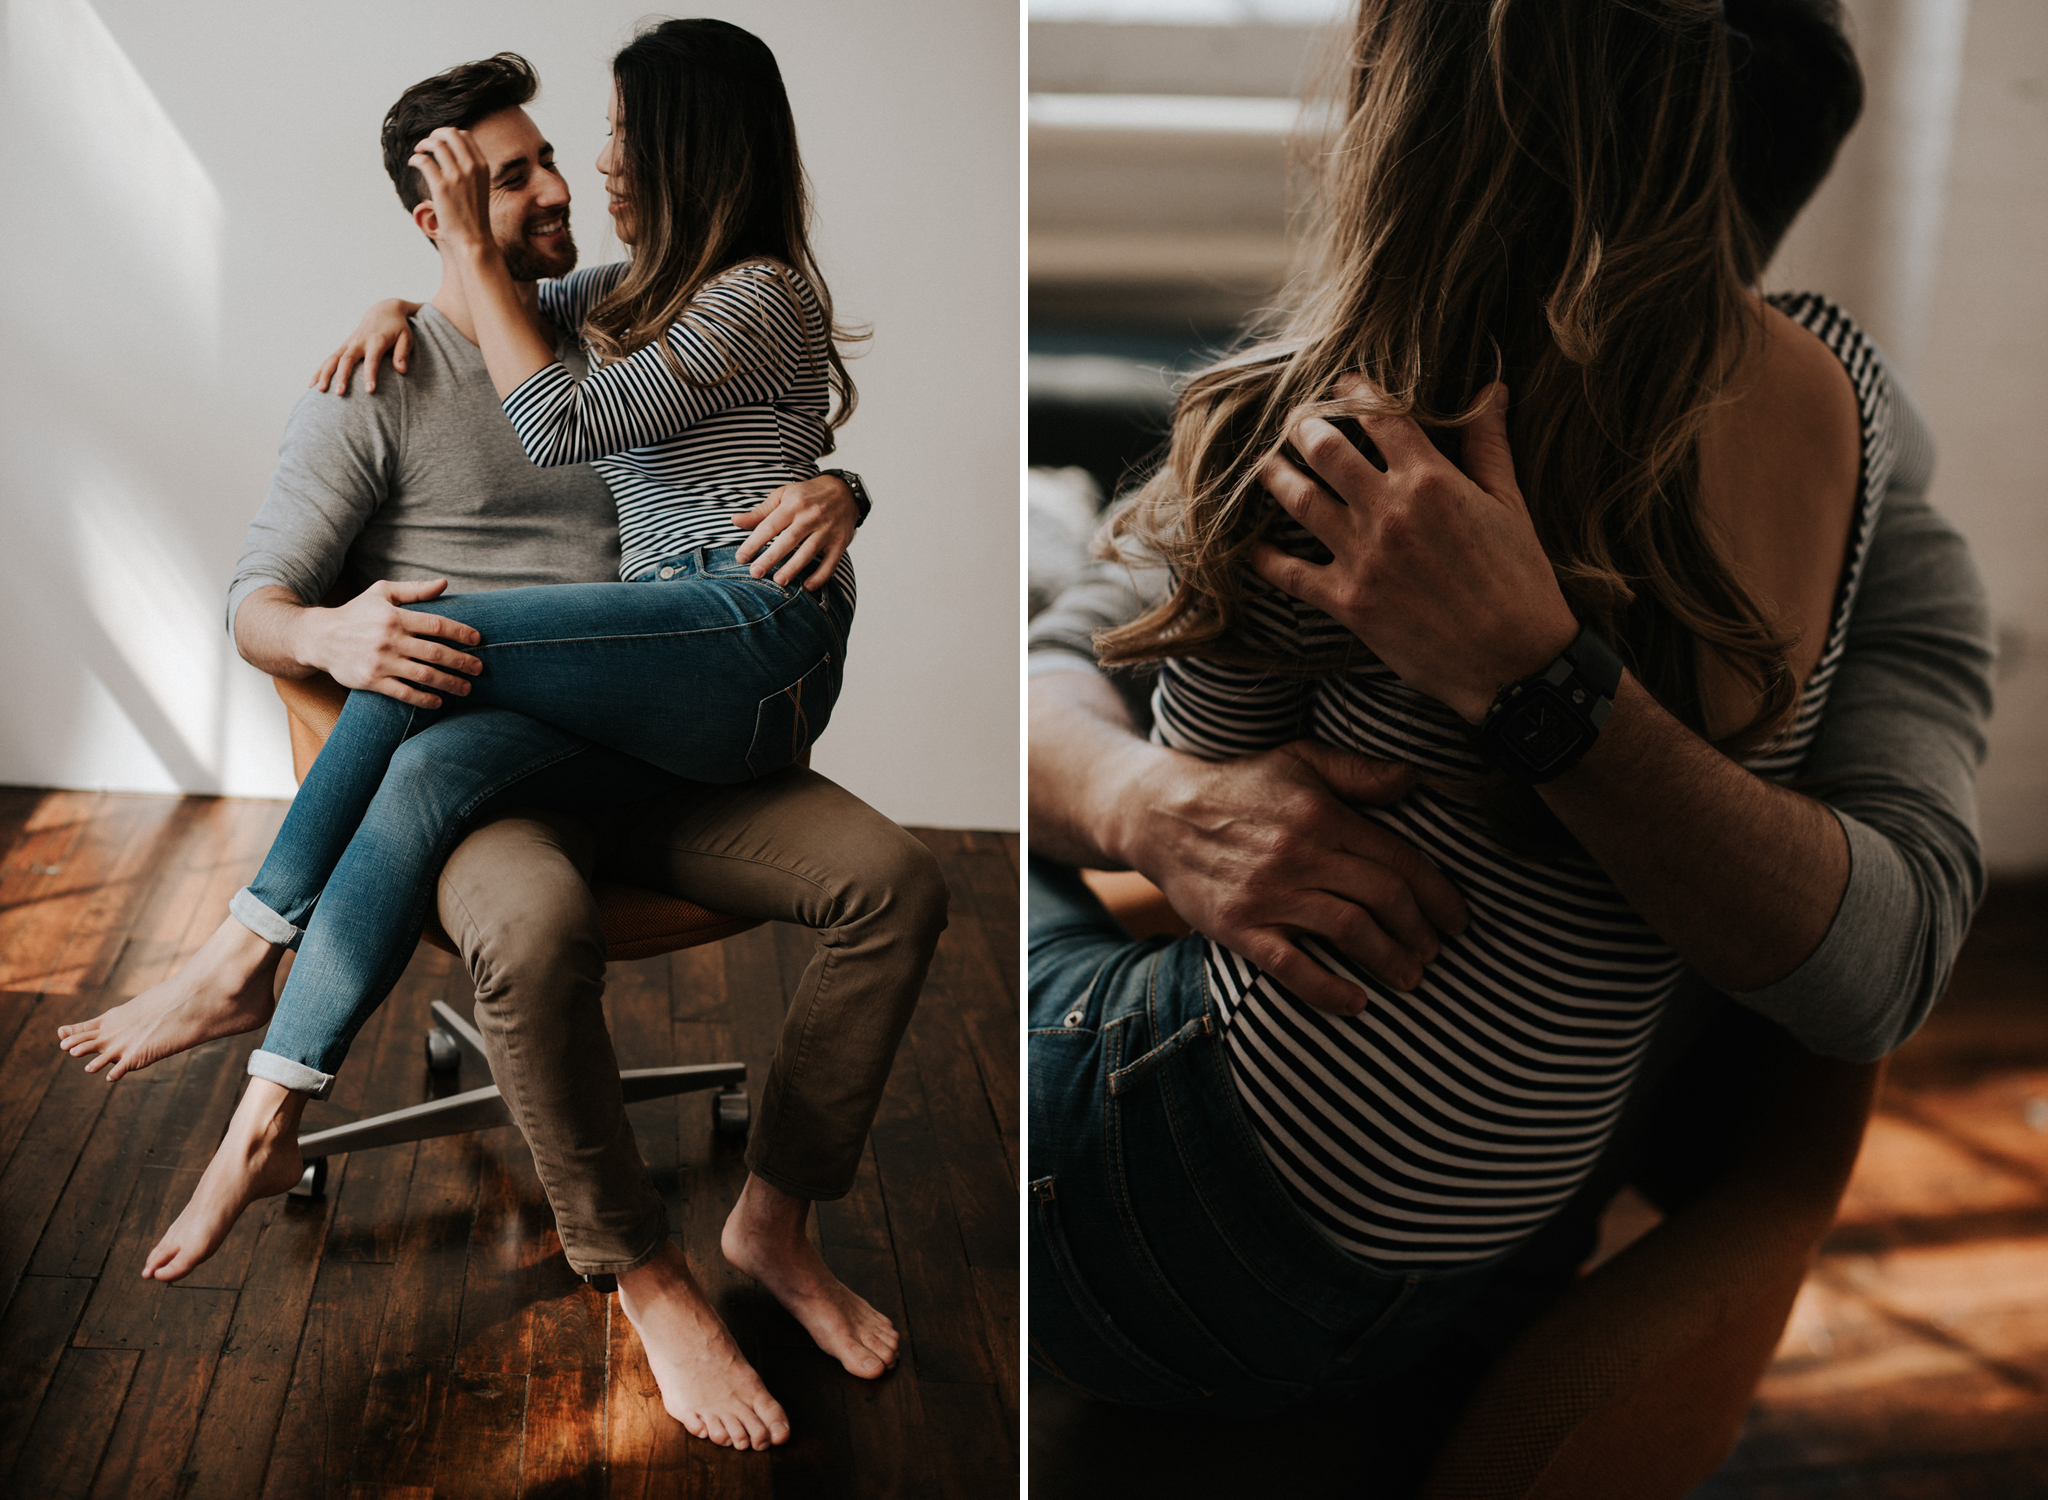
1781, 473
761, 299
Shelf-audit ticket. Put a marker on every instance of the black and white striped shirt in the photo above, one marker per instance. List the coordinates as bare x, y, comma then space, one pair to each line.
682, 455
1446, 1125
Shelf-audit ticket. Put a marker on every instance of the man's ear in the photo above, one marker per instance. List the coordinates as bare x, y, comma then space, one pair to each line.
430, 223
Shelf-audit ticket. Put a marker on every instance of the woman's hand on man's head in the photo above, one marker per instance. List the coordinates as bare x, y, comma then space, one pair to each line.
1438, 571
458, 177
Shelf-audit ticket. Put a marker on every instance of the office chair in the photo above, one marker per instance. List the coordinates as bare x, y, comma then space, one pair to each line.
637, 923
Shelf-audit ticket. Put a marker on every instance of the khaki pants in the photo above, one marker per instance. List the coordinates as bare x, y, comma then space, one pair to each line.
791, 847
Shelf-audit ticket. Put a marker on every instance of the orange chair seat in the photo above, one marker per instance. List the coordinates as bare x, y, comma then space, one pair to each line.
638, 923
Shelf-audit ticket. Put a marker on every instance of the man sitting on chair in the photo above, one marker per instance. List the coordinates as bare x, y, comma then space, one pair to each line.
388, 496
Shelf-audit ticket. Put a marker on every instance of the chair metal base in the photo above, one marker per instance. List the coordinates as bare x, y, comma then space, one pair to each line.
453, 1039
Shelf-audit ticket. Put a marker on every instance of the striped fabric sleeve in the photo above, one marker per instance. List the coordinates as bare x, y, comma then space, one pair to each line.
566, 301
747, 322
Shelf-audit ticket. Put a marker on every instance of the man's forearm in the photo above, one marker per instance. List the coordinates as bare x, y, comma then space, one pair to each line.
1081, 742
1741, 876
268, 634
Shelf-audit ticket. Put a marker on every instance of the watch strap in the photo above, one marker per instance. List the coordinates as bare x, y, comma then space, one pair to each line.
861, 504
1520, 733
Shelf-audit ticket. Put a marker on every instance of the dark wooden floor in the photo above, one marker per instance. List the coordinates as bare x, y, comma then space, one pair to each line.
417, 1333
1915, 1365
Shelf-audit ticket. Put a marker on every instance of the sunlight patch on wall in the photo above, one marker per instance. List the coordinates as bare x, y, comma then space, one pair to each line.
68, 74
143, 596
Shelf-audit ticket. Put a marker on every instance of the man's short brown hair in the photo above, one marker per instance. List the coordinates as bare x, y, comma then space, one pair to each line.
459, 98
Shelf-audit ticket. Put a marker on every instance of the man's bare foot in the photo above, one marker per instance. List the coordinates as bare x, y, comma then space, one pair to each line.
222, 990
257, 1158
706, 1383
764, 1236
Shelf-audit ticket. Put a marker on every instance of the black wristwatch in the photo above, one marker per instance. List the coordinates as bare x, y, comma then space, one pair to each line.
851, 480
1542, 726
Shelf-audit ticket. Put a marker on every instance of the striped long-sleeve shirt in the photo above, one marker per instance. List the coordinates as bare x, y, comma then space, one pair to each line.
683, 453
1445, 1125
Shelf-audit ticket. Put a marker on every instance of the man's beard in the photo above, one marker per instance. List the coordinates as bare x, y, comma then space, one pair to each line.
525, 263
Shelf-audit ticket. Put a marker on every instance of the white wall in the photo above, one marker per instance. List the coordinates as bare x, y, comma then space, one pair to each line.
1931, 231
199, 212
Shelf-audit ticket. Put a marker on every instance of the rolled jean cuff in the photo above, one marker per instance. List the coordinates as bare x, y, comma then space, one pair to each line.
261, 920
286, 1073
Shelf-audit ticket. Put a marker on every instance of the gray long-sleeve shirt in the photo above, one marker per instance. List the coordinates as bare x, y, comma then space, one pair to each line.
1895, 760
423, 479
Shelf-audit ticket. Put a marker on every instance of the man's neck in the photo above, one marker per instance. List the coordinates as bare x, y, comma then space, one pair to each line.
455, 307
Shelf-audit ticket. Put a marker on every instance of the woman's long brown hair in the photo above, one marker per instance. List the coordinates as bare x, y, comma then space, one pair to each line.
710, 151
1535, 191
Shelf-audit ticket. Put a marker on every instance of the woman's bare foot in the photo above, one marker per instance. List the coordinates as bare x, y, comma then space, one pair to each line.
706, 1383
222, 990
764, 1236
257, 1158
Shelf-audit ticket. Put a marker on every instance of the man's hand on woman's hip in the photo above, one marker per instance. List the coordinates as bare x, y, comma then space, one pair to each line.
1259, 851
800, 528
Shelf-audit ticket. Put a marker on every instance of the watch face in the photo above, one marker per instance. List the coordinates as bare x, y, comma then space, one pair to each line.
1542, 729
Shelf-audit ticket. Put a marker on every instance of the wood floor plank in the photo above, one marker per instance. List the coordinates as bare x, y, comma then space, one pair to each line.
81, 1228
162, 931
984, 1193
31, 1064
976, 1457
155, 829
17, 806
34, 1333
41, 896
70, 1432
501, 1277
320, 1427
51, 1141
404, 1423
479, 1454
996, 1289
15, 1008
944, 1318
238, 1427
129, 1310
146, 1456
105, 878
562, 1452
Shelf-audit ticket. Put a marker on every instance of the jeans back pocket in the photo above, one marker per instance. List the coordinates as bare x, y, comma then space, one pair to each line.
790, 720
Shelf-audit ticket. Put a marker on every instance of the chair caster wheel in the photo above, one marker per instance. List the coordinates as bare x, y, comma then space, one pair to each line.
312, 1182
731, 1113
443, 1055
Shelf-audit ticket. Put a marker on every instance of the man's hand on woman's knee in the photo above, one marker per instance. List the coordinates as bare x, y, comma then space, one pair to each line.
1258, 852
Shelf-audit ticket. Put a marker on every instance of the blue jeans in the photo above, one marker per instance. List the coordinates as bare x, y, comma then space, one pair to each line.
1169, 1266
706, 673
